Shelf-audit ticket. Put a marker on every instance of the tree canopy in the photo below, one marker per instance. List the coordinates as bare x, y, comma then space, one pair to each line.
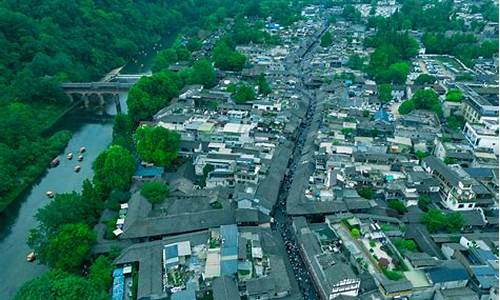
114, 169
56, 285
68, 248
422, 99
326, 39
150, 94
228, 59
425, 79
154, 191
244, 93
123, 128
436, 220
454, 95
384, 92
157, 145
356, 62
263, 86
203, 73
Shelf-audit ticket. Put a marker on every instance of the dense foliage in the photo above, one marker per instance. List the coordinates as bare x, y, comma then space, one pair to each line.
58, 285
436, 220
263, 85
385, 92
326, 39
390, 60
425, 79
123, 128
150, 94
244, 33
202, 72
464, 46
154, 191
397, 206
228, 59
244, 93
405, 245
366, 192
114, 169
157, 145
422, 99
454, 95
356, 62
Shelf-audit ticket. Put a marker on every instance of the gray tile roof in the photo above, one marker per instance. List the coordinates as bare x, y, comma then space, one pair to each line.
268, 189
182, 223
225, 288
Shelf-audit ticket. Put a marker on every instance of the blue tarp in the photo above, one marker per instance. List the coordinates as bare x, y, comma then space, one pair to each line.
118, 284
143, 171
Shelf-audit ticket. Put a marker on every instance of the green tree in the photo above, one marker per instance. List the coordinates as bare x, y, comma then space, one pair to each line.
157, 145
454, 95
455, 122
150, 94
56, 285
355, 233
326, 39
114, 169
228, 59
384, 92
423, 202
398, 206
405, 245
194, 44
398, 72
154, 191
264, 87
406, 107
366, 192
203, 73
425, 79
183, 53
69, 248
436, 220
422, 99
164, 59
355, 62
123, 127
66, 209
351, 13
101, 273
244, 94
421, 154
450, 160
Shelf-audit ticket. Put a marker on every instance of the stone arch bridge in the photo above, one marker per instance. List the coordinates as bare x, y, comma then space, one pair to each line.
101, 91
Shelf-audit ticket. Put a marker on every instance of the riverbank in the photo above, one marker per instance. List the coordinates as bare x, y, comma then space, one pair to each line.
50, 115
19, 218
56, 145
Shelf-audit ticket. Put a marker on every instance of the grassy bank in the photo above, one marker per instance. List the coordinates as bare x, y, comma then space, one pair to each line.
43, 151
28, 176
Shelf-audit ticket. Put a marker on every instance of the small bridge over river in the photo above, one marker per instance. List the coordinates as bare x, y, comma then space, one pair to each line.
108, 88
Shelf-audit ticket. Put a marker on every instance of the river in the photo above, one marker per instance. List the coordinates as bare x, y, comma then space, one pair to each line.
92, 129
